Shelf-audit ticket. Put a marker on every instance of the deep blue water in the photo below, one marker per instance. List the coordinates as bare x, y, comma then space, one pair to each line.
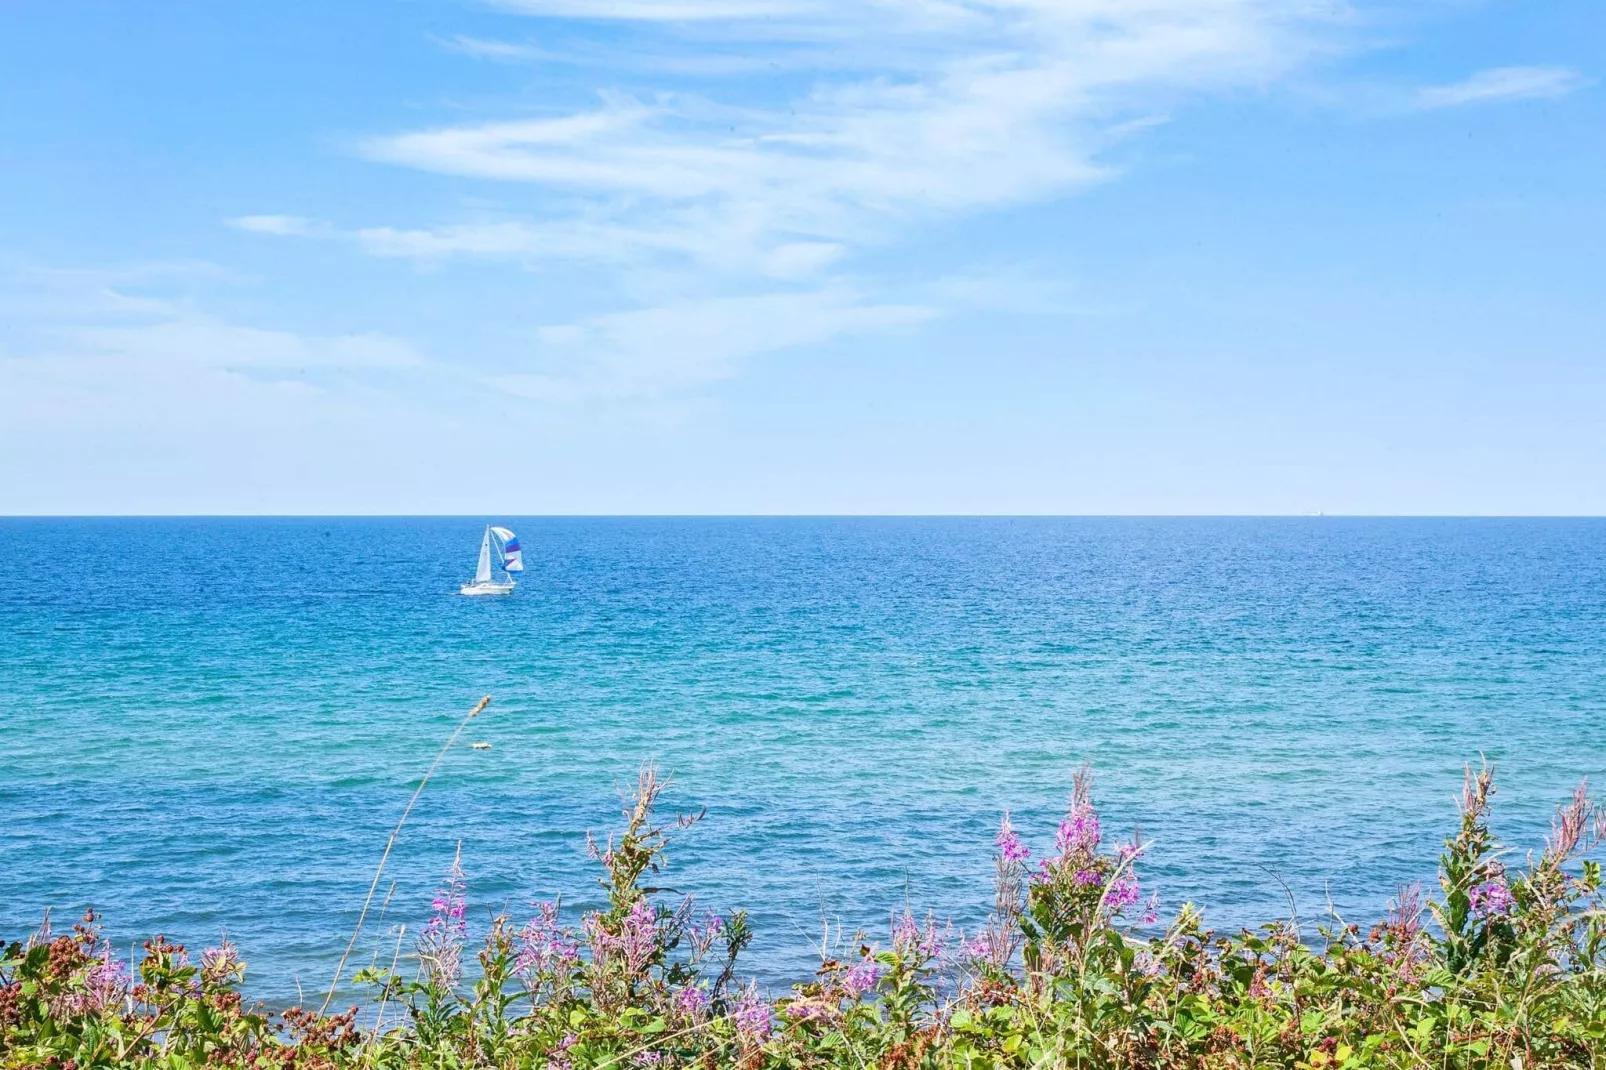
211, 725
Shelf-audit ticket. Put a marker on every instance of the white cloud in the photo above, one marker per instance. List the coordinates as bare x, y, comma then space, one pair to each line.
657, 10
957, 107
1502, 84
287, 225
208, 342
930, 110
653, 351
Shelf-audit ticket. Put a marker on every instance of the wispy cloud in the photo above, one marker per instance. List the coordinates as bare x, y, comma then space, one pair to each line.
151, 315
964, 107
659, 10
1503, 84
933, 110
286, 225
651, 351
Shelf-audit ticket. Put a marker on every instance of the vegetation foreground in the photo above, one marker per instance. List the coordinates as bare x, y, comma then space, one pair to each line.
1503, 969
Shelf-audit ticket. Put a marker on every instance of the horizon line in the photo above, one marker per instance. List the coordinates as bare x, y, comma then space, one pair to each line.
806, 516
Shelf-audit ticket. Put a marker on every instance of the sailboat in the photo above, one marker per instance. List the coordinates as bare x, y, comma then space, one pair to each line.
497, 543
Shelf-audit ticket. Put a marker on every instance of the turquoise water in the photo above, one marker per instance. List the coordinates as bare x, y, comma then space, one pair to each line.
211, 725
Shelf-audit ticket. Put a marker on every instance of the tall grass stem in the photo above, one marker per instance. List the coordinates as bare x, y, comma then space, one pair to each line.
389, 844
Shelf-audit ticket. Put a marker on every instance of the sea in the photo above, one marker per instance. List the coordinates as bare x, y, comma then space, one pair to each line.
209, 727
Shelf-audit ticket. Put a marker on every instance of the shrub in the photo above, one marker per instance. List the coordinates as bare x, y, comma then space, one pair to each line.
1503, 969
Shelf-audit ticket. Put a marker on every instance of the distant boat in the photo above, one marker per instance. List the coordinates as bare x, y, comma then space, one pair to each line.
504, 545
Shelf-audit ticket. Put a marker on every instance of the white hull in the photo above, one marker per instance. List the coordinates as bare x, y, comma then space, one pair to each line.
480, 589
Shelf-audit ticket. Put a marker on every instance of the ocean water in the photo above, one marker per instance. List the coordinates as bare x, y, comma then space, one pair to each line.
209, 726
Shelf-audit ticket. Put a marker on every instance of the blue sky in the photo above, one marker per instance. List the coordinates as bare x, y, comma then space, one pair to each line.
802, 256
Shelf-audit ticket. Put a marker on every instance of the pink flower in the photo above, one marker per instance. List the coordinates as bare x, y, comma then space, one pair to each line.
905, 931
636, 942
691, 1002
1491, 900
1010, 847
545, 945
559, 1060
752, 1015
220, 964
1079, 832
105, 984
441, 946
861, 978
1122, 893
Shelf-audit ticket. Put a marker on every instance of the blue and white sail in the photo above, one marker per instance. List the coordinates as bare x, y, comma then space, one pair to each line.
512, 555
498, 542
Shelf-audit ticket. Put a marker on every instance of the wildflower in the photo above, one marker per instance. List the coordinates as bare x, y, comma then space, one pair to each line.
861, 978
545, 946
105, 983
752, 1015
905, 931
1491, 899
1085, 877
1405, 913
559, 1059
691, 1002
1010, 847
441, 946
639, 936
979, 947
1079, 832
705, 933
1145, 964
636, 942
1122, 893
221, 964
649, 1059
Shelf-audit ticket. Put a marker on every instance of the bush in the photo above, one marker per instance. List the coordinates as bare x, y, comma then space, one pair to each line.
1503, 969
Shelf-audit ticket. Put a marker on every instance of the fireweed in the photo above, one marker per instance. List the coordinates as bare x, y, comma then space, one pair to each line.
1504, 968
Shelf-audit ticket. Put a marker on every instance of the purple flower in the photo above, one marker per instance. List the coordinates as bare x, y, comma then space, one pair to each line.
559, 1060
1491, 900
703, 935
861, 978
219, 964
649, 1059
979, 947
1085, 877
905, 931
1079, 831
636, 942
441, 947
752, 1015
106, 982
639, 936
1122, 893
545, 946
691, 1002
1145, 964
1010, 847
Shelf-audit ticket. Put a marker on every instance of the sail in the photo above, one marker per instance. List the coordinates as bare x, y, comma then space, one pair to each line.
482, 574
512, 555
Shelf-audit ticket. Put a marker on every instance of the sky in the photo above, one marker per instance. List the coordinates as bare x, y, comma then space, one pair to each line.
517, 257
